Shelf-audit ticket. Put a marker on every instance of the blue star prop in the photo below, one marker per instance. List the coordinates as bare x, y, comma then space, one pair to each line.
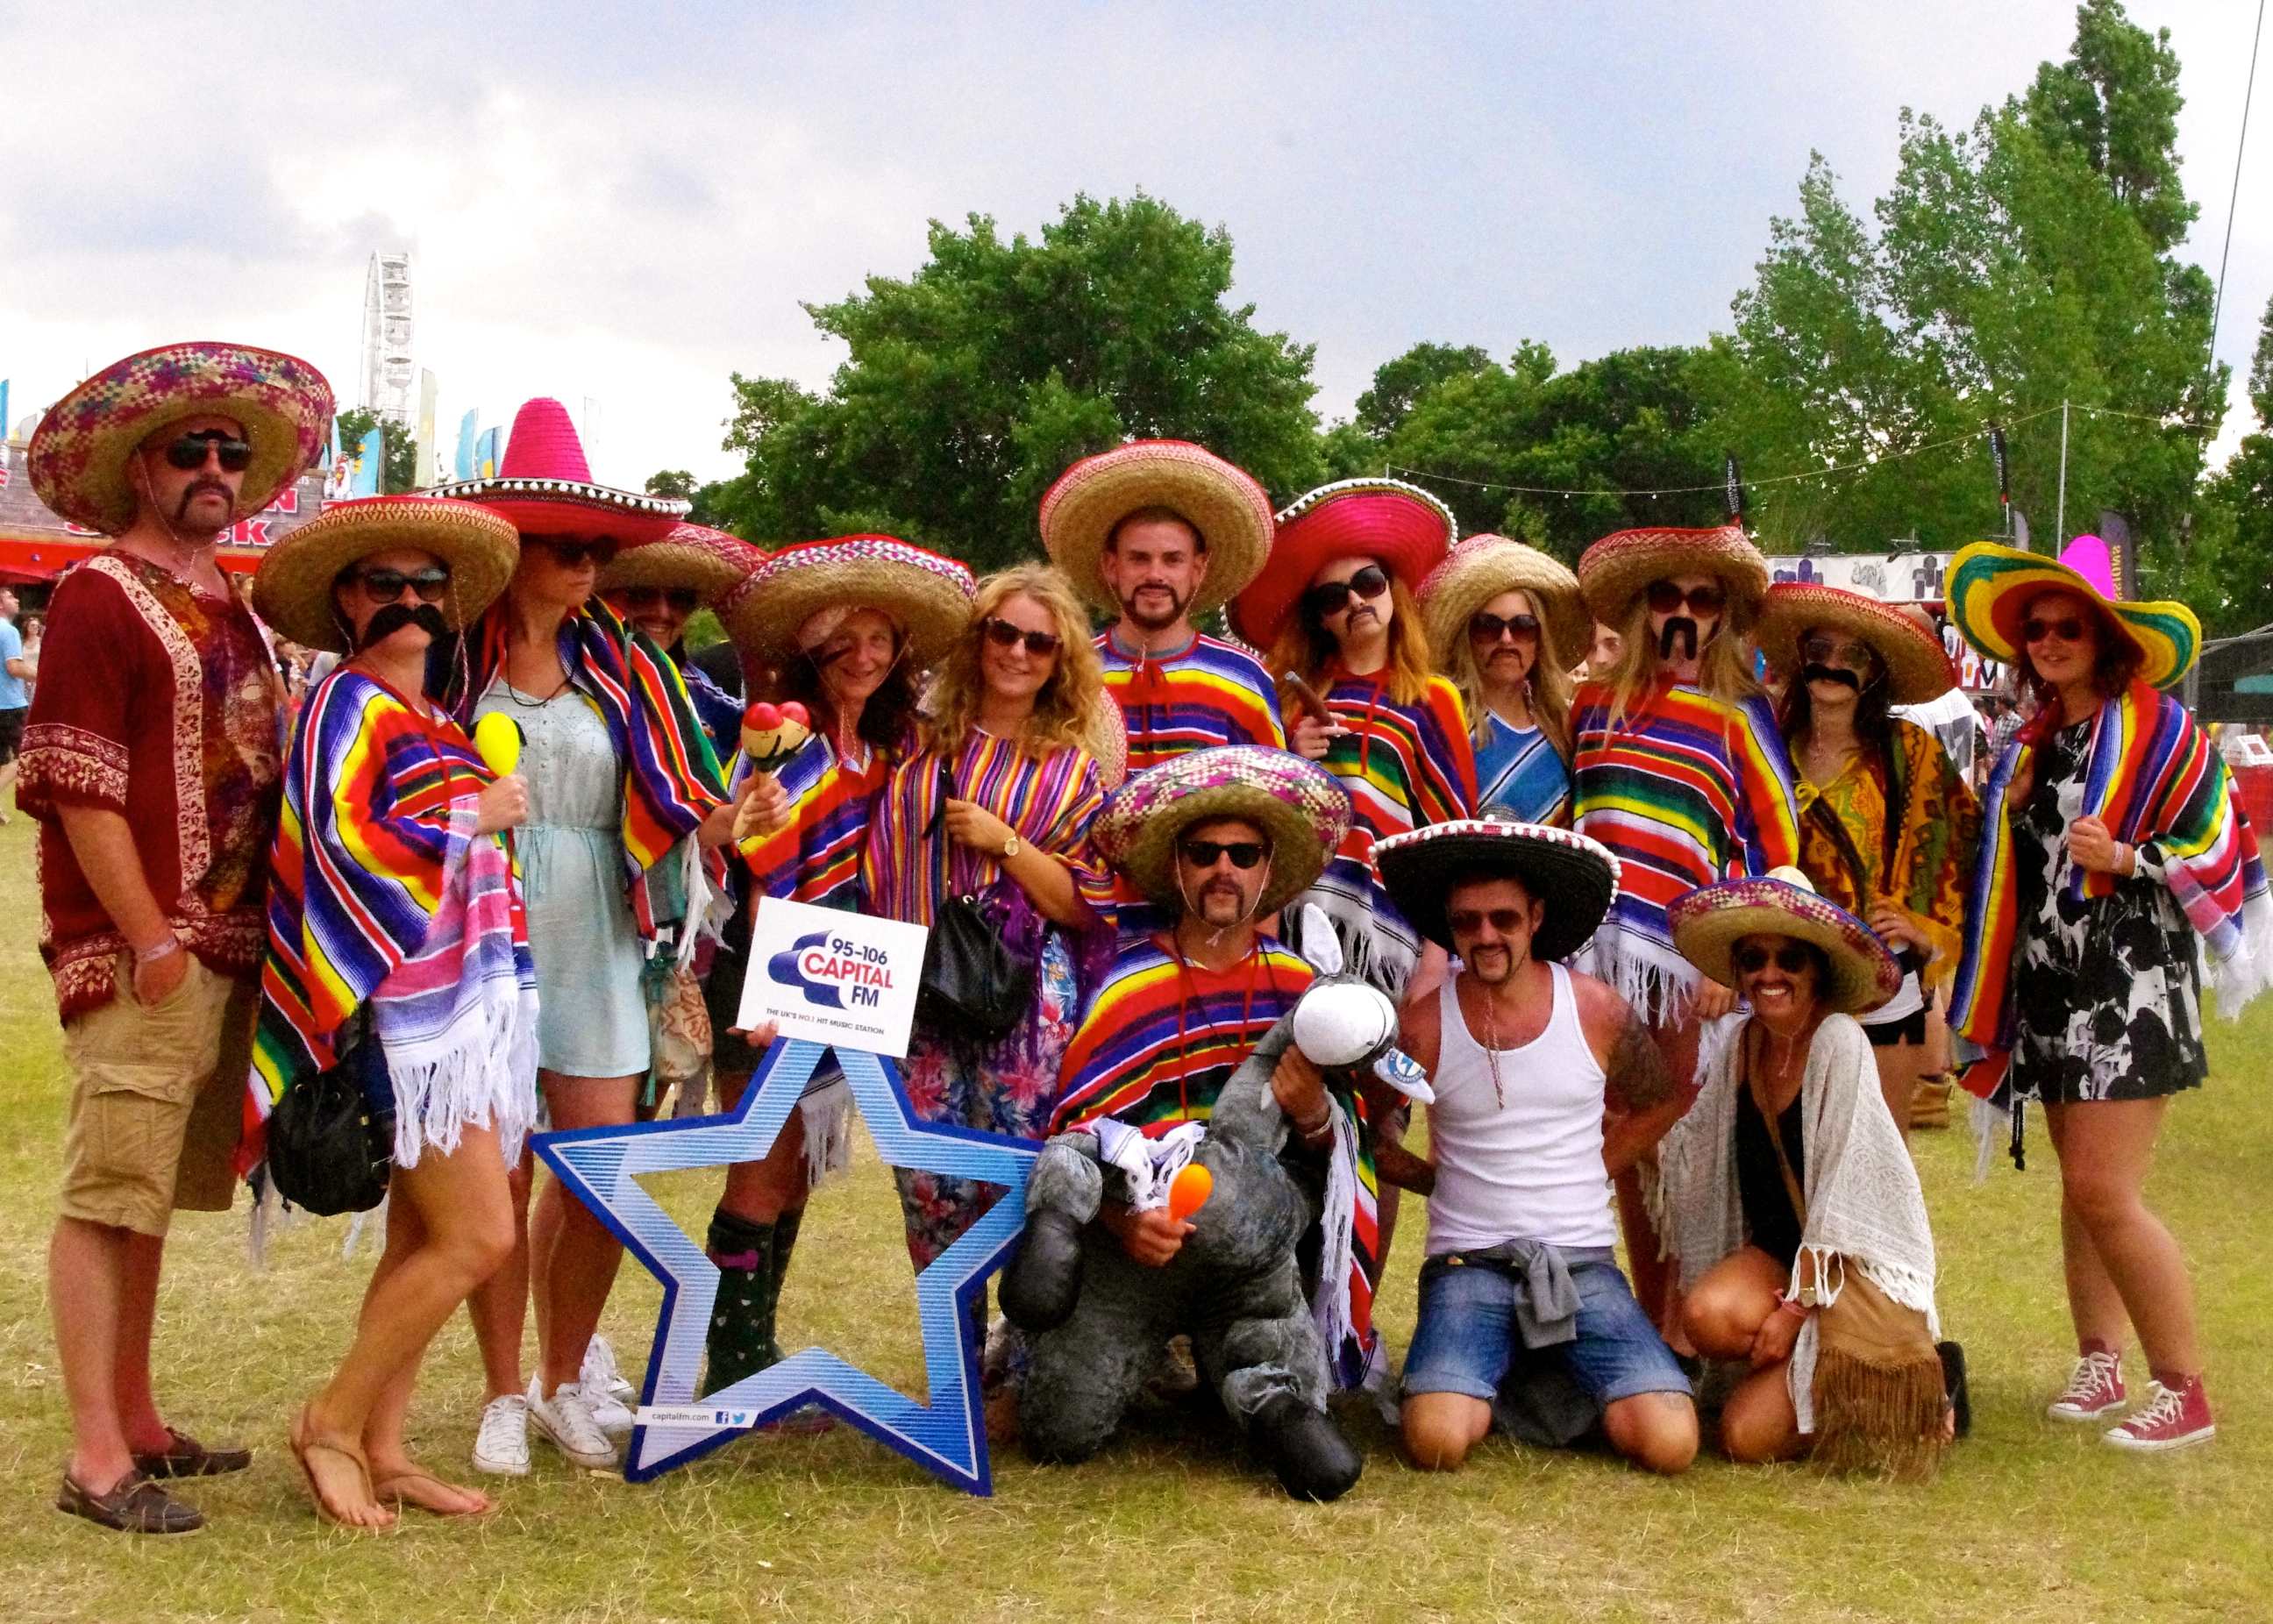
946, 1434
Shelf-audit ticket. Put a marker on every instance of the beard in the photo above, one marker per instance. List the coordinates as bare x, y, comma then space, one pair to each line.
395, 616
1155, 620
1829, 673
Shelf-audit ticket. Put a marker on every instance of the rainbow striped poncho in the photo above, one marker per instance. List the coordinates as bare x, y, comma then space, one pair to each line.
814, 857
380, 892
671, 780
1686, 790
1206, 694
2152, 775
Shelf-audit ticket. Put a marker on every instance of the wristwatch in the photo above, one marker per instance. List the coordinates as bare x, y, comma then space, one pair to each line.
1012, 846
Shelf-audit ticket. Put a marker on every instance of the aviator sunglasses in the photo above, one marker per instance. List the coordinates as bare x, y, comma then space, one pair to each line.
1665, 598
1791, 958
190, 451
1002, 634
683, 600
2067, 628
1244, 854
1490, 628
1331, 596
383, 586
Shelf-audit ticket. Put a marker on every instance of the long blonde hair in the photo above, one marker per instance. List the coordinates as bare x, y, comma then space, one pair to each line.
1070, 696
1549, 682
1724, 666
1306, 648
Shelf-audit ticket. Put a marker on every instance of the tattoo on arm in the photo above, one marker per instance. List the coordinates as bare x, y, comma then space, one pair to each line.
1638, 1070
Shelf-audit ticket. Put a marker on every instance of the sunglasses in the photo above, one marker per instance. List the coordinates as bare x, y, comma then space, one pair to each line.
573, 555
2067, 628
1002, 634
685, 599
1826, 651
1488, 628
1331, 597
383, 586
1244, 854
1665, 598
1791, 958
191, 450
1468, 921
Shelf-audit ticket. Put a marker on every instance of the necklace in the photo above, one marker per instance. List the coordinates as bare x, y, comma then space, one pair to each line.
1191, 995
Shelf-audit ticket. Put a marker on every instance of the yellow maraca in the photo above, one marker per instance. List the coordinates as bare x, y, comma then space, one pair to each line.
497, 737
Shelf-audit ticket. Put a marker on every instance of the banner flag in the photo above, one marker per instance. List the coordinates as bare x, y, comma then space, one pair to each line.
4, 405
369, 462
489, 451
429, 454
463, 468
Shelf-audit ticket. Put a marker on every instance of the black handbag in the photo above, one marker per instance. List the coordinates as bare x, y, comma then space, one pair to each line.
331, 1143
974, 989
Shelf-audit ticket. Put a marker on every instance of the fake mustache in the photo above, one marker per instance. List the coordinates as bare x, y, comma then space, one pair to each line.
196, 489
1683, 628
395, 616
1829, 673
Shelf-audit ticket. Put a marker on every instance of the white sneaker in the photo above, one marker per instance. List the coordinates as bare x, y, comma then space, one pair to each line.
501, 1448
564, 1421
605, 1388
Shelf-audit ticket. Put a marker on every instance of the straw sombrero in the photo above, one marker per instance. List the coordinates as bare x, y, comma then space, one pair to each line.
1990, 585
1403, 525
77, 457
1623, 563
1917, 669
689, 555
1478, 570
1104, 734
1709, 923
1302, 808
928, 597
1576, 877
292, 591
544, 485
1222, 502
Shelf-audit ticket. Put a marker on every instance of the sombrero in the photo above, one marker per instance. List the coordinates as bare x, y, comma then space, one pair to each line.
926, 596
544, 486
1990, 585
1402, 525
1301, 807
1104, 734
689, 555
1576, 877
1707, 924
1917, 669
1623, 562
1222, 502
1478, 570
77, 457
292, 590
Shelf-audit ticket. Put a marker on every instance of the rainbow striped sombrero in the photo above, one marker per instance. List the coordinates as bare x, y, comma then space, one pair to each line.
1991, 586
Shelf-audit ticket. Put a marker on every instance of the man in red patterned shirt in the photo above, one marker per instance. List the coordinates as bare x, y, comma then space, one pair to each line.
153, 761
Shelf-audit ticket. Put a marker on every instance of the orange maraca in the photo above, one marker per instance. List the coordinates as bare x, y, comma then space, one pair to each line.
1188, 1191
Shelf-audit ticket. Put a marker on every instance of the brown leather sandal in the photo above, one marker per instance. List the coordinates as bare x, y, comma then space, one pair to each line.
134, 1506
303, 1446
185, 1457
390, 1490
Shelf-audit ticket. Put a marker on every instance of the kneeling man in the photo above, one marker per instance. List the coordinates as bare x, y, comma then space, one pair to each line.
1525, 1316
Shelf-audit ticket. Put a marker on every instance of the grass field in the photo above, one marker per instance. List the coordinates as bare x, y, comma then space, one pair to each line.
2029, 1522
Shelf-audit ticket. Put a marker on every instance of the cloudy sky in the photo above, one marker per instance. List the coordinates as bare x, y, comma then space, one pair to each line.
629, 202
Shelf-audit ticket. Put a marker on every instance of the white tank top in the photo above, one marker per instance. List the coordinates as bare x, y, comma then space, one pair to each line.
1530, 1169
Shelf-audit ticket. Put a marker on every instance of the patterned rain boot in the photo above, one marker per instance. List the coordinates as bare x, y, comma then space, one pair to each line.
741, 1340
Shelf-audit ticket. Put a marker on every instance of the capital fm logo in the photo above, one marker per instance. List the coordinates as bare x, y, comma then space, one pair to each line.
833, 973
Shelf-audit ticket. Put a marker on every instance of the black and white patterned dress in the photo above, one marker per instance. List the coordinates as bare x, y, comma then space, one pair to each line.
2107, 990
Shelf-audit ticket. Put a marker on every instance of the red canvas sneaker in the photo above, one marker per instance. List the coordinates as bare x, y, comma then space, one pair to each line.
2173, 1419
2095, 1389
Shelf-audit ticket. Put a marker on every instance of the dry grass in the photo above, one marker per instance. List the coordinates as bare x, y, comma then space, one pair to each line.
2030, 1522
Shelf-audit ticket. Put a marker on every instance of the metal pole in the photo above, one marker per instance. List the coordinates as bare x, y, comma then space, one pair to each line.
2059, 513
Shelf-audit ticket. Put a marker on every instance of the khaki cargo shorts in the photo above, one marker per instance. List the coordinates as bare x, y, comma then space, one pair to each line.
157, 1097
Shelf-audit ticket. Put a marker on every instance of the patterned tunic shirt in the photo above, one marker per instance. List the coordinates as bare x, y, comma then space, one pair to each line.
1520, 770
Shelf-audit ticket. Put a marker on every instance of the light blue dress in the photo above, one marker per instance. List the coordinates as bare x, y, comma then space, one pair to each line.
591, 1016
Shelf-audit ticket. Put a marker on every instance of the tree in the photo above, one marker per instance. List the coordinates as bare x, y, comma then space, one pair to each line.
972, 383
399, 464
1399, 384
2013, 265
671, 482
2227, 576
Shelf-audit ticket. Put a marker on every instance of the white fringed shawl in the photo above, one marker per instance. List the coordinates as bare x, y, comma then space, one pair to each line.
1865, 1208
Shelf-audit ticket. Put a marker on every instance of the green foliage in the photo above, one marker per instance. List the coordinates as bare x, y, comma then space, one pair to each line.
671, 482
970, 385
2116, 101
2224, 575
399, 464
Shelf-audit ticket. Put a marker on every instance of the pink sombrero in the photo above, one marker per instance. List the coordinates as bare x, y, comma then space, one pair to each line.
1301, 807
1612, 570
544, 486
1403, 525
77, 456
1707, 924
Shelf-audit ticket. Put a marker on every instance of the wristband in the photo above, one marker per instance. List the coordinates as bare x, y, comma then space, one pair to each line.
167, 950
1312, 1130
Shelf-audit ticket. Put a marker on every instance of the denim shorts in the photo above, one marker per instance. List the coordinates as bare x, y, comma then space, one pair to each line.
1468, 1341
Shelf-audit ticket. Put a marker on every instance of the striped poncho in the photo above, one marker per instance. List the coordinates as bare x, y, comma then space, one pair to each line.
1519, 771
382, 893
672, 779
1208, 693
2154, 778
1685, 790
814, 857
1405, 767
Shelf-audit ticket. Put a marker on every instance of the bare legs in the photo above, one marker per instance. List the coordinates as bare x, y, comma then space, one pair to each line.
1719, 1319
2122, 1264
762, 1190
102, 1290
1898, 1065
572, 1258
1655, 1431
499, 1309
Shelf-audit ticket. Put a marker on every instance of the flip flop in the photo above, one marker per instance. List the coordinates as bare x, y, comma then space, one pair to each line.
303, 1447
389, 1492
